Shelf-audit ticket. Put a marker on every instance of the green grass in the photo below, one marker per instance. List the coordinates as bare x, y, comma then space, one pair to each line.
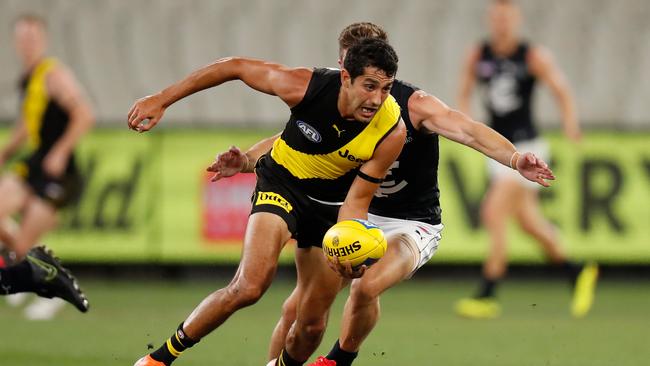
417, 327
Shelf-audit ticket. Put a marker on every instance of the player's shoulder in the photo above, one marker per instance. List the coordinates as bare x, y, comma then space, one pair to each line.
390, 108
402, 87
539, 57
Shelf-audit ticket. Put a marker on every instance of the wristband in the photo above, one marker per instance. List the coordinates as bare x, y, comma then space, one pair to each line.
514, 159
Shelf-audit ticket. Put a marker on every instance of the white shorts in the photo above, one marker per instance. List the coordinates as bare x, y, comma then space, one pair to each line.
424, 237
499, 171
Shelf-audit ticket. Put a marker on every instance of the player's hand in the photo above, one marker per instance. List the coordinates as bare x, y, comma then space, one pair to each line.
345, 269
228, 163
534, 169
573, 133
55, 163
146, 113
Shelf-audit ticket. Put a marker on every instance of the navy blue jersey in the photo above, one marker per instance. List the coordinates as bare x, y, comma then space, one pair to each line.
410, 190
508, 92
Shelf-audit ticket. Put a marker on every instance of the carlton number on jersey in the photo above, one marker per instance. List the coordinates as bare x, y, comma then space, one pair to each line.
390, 185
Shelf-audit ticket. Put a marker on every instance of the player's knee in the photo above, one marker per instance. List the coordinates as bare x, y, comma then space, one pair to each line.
289, 310
364, 292
245, 293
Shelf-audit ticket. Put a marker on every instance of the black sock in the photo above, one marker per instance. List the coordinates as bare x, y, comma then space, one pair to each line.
342, 357
487, 288
17, 278
572, 270
174, 346
286, 360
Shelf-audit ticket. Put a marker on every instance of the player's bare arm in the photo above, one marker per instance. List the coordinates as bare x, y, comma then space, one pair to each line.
467, 79
233, 161
289, 84
544, 68
65, 90
372, 172
427, 111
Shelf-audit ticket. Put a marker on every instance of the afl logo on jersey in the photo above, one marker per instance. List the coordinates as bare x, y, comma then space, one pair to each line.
310, 133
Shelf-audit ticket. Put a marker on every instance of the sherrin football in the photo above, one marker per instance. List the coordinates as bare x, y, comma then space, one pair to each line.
358, 241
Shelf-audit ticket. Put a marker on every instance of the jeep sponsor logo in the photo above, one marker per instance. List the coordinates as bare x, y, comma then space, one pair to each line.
310, 133
350, 157
344, 251
271, 198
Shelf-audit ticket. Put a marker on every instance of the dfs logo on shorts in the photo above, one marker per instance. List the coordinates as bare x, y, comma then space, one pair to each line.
271, 198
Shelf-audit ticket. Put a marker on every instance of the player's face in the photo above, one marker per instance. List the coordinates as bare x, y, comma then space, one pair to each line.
503, 20
367, 92
29, 40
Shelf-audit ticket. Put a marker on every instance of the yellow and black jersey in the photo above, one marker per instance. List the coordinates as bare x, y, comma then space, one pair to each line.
319, 151
45, 120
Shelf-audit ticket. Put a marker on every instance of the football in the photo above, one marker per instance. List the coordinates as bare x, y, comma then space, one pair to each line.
358, 241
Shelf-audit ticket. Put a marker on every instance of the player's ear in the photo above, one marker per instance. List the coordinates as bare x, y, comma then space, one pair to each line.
346, 80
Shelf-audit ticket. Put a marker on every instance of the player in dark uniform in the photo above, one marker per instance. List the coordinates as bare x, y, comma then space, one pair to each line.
406, 205
343, 134
508, 69
53, 116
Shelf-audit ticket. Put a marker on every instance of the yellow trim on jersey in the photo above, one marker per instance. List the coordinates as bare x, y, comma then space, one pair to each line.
344, 159
36, 100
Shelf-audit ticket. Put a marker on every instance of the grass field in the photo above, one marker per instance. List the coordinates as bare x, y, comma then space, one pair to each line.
417, 327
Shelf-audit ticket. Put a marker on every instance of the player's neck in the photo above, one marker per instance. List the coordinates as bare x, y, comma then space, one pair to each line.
504, 46
30, 63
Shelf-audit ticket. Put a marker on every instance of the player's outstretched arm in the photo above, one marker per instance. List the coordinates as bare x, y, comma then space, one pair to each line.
289, 84
233, 161
432, 114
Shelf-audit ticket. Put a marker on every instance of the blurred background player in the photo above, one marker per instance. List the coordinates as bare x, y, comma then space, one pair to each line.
53, 116
508, 68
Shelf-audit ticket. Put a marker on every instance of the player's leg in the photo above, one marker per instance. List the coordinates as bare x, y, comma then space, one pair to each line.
532, 221
410, 245
289, 308
38, 218
8, 232
499, 204
266, 233
583, 278
362, 308
15, 195
43, 274
318, 288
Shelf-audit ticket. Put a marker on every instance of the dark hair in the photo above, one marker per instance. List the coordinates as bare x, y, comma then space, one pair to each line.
355, 32
371, 52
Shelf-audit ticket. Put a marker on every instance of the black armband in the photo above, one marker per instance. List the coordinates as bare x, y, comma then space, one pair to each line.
370, 179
